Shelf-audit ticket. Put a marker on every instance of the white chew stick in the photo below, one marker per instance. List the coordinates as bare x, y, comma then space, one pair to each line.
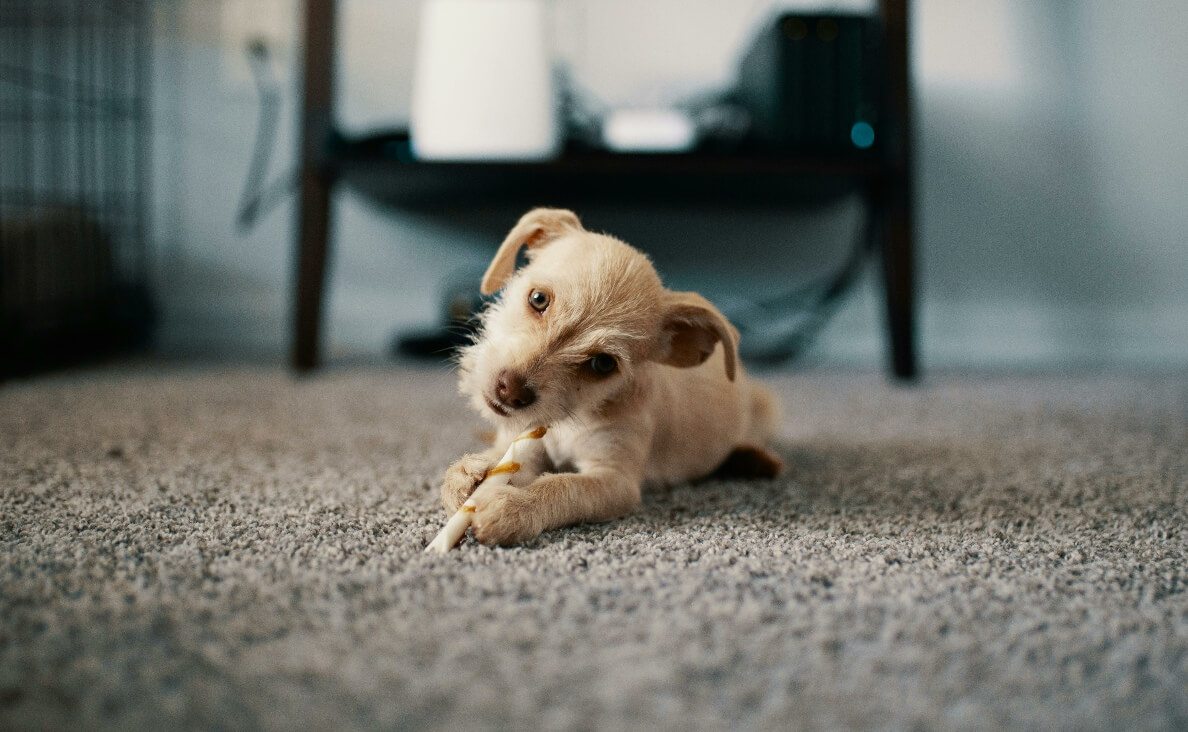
523, 450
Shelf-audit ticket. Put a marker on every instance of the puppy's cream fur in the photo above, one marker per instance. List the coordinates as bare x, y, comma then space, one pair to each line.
674, 408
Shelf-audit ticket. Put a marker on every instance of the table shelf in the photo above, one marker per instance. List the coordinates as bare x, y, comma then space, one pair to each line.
382, 167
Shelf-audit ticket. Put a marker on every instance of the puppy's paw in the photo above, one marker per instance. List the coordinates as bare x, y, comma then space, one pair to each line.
504, 516
462, 478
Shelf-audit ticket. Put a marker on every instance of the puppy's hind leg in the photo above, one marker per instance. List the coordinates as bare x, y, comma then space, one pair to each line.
750, 461
764, 415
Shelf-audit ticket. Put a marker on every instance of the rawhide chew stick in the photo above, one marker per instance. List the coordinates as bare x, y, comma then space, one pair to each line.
523, 451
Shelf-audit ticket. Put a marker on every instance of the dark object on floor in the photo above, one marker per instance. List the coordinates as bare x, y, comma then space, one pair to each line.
60, 300
460, 321
434, 343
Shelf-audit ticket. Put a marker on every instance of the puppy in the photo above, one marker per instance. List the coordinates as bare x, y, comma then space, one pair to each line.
639, 386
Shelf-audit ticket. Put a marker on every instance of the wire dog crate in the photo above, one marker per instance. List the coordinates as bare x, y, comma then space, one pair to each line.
74, 180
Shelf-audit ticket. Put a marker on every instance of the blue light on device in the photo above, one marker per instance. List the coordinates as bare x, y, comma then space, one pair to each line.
862, 135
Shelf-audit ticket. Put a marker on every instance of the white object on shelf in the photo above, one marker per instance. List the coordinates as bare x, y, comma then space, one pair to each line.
648, 130
483, 85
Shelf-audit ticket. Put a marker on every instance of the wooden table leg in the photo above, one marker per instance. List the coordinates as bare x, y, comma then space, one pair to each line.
897, 196
312, 246
317, 182
898, 281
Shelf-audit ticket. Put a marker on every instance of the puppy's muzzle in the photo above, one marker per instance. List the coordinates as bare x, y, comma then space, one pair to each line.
512, 392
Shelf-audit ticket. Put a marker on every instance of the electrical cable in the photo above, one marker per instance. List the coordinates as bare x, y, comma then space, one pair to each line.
257, 199
812, 304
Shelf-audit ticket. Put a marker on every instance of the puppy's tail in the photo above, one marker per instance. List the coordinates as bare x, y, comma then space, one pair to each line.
765, 415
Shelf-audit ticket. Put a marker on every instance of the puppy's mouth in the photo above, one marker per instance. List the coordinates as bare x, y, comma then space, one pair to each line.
496, 407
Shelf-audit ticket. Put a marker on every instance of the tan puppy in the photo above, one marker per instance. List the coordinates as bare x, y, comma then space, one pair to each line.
638, 385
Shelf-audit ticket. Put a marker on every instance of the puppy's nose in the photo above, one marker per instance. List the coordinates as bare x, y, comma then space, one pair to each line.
512, 390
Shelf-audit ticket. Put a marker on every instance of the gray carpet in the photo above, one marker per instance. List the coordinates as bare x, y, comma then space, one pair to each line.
237, 549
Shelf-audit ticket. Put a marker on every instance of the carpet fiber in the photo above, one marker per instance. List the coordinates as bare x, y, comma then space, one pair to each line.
239, 549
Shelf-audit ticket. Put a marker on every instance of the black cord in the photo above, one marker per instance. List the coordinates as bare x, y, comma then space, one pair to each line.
258, 199
814, 304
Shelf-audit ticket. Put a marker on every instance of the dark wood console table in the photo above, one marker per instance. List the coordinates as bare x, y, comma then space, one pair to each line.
381, 167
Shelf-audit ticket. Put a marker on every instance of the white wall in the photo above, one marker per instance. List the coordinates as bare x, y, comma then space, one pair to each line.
1052, 181
1052, 178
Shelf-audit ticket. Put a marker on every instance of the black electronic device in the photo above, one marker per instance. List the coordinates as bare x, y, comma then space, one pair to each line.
813, 83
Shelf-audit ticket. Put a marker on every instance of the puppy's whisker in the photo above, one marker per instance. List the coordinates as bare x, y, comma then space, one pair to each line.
572, 416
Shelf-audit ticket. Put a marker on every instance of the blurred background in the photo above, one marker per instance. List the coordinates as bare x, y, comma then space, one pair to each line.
1051, 175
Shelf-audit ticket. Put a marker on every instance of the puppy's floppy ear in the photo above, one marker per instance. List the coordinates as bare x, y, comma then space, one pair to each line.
535, 228
693, 327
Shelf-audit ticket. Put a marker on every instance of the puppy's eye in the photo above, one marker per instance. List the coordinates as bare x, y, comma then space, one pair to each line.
539, 300
603, 364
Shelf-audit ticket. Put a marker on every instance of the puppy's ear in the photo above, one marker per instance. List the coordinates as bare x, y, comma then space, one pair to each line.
535, 228
693, 327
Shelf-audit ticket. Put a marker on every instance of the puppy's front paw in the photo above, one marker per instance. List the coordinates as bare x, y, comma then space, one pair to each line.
462, 478
504, 516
